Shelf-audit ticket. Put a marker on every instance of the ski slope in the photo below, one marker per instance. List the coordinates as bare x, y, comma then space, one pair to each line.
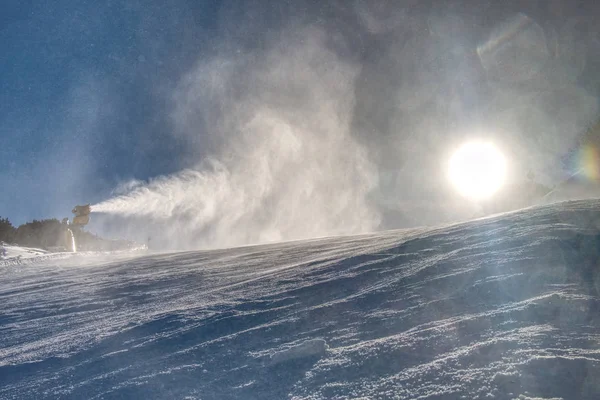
506, 307
10, 254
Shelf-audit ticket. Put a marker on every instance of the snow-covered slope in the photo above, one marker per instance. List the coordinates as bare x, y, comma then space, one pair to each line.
504, 307
11, 254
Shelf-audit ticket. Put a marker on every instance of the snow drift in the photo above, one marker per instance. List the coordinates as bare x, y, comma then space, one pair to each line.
503, 307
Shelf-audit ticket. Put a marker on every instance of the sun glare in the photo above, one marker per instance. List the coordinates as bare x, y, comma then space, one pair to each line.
477, 170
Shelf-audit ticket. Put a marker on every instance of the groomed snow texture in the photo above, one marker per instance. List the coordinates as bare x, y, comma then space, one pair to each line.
506, 307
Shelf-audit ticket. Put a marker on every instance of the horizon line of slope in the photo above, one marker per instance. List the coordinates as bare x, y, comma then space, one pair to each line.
505, 307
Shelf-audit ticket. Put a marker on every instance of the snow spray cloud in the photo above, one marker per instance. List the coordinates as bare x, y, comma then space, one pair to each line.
287, 167
323, 128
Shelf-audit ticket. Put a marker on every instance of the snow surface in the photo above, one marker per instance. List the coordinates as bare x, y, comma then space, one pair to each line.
505, 307
10, 254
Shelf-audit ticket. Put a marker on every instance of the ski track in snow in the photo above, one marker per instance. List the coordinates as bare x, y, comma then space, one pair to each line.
505, 307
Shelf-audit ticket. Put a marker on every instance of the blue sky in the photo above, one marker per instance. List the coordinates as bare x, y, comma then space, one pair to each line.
87, 89
80, 87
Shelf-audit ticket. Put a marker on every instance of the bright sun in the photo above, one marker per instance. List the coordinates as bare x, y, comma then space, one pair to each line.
477, 170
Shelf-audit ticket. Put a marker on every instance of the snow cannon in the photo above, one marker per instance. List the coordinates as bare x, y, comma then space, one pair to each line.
82, 215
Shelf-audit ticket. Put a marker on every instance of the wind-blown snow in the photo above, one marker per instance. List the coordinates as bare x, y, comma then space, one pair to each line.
18, 255
11, 252
504, 307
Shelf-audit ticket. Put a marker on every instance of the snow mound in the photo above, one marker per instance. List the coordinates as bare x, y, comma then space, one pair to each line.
18, 255
506, 307
8, 252
12, 256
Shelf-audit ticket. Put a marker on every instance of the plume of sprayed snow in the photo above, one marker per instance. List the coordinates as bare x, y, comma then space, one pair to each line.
285, 121
287, 167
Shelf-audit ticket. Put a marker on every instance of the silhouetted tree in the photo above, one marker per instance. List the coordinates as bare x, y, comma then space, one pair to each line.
42, 234
51, 234
7, 230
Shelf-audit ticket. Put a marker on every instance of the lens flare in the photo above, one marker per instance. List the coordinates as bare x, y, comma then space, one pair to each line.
589, 162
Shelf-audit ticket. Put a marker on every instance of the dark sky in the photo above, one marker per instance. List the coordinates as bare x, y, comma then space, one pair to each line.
90, 91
